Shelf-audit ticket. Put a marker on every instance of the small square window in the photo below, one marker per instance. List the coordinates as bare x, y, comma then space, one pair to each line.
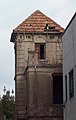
52, 36
20, 36
28, 36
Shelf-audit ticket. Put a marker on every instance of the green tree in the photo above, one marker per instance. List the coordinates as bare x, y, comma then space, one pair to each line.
8, 105
1, 109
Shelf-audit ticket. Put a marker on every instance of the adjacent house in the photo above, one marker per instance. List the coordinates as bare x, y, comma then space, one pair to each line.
38, 68
69, 70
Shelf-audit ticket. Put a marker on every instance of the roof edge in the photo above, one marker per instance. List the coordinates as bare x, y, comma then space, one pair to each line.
13, 36
42, 14
69, 23
14, 33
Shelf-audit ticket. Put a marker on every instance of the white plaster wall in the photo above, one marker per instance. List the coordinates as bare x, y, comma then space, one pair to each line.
69, 62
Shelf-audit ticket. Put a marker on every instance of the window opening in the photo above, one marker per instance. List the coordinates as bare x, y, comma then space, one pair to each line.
71, 83
66, 87
52, 36
57, 89
40, 49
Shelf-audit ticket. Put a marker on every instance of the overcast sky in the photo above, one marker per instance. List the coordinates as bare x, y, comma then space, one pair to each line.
12, 13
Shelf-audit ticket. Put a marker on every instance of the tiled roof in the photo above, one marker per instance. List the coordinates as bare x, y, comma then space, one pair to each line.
36, 22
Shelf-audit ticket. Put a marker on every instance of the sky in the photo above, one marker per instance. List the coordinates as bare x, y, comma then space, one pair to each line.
12, 13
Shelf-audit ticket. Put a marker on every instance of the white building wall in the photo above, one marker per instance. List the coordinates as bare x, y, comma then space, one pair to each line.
69, 62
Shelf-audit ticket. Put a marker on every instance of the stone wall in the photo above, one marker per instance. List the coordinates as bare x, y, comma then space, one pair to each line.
20, 87
40, 94
34, 94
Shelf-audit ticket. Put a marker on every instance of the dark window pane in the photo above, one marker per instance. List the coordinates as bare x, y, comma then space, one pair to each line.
71, 84
66, 87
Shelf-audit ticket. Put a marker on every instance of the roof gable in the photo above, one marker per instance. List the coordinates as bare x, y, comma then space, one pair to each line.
37, 22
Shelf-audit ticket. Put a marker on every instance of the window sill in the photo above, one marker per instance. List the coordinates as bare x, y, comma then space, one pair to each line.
43, 60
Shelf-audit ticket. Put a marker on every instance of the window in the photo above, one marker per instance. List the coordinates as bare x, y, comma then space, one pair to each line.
52, 36
57, 88
71, 83
59, 37
66, 87
40, 49
28, 36
21, 36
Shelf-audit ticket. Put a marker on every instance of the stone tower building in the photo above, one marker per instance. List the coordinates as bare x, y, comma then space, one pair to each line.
38, 68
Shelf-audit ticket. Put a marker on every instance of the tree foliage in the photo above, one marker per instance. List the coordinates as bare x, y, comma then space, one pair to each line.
1, 109
7, 106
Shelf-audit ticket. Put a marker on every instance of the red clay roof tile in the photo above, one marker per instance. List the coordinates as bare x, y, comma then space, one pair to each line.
36, 22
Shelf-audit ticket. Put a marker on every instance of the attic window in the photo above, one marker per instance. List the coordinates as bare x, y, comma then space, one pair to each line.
20, 37
28, 36
52, 36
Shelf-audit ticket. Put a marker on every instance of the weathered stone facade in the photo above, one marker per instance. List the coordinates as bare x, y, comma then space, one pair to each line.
37, 60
